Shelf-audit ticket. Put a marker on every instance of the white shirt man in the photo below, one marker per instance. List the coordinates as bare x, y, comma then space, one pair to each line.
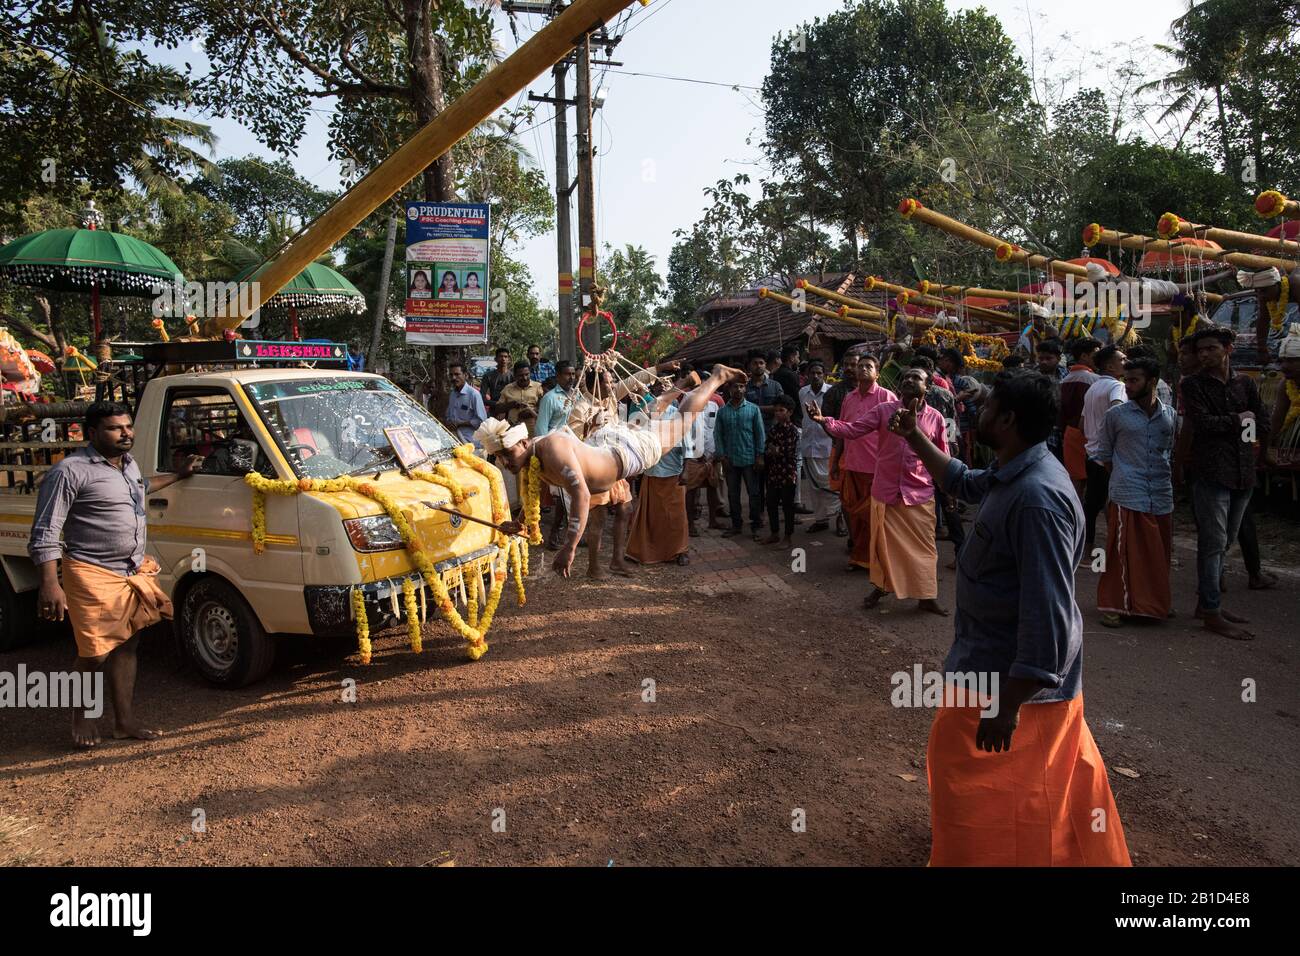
815, 450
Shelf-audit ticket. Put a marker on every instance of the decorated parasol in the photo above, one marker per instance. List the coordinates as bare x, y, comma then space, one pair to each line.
318, 290
90, 260
1159, 261
40, 361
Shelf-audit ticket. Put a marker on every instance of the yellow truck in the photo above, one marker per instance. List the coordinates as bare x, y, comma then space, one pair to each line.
240, 406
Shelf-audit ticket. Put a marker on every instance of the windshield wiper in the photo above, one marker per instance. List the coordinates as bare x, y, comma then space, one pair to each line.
382, 456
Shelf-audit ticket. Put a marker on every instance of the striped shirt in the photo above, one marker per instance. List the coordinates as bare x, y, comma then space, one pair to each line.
97, 509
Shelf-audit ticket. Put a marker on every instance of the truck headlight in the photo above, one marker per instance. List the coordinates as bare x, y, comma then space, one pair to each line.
376, 533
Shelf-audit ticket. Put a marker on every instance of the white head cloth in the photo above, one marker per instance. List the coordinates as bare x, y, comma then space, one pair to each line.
496, 433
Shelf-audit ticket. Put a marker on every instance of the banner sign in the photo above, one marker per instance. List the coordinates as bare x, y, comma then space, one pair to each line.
446, 273
252, 350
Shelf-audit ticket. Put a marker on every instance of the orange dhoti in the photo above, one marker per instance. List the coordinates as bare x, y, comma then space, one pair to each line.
1139, 548
1044, 802
1074, 453
855, 501
903, 552
107, 609
659, 531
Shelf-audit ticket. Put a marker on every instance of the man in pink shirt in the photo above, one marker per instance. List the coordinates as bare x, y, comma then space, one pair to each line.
902, 549
857, 462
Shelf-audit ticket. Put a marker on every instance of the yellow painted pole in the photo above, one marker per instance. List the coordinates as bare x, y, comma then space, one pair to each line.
766, 293
1172, 226
906, 295
488, 95
926, 287
1094, 234
855, 305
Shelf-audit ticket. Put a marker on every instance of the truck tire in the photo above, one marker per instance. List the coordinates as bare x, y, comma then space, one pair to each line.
221, 636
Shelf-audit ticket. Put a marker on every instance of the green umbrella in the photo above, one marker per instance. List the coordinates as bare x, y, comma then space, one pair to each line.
83, 260
317, 290
88, 260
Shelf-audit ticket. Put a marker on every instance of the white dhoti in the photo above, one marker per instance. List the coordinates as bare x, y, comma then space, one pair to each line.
635, 449
825, 502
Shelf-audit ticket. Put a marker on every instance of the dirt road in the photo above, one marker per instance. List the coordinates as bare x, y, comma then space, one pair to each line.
770, 705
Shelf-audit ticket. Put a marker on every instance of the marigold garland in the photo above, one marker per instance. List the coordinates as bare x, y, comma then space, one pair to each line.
517, 566
412, 616
533, 502
1180, 334
363, 625
1277, 310
473, 634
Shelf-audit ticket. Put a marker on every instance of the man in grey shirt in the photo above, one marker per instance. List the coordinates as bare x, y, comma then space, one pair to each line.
90, 514
1018, 627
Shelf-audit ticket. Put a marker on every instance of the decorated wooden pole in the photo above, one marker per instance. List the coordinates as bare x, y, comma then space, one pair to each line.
1271, 203
1173, 226
1002, 250
1094, 234
926, 287
908, 296
854, 305
494, 90
766, 293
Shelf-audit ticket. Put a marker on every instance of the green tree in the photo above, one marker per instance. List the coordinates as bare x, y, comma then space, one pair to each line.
76, 107
843, 92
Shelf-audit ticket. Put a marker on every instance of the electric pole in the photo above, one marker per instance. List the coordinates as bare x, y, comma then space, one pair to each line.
564, 187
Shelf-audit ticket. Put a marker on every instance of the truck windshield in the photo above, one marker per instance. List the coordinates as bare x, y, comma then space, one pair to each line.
335, 426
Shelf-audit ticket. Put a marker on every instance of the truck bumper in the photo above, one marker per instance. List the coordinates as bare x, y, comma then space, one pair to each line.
329, 606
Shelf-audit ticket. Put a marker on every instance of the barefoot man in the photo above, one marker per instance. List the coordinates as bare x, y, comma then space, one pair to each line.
1021, 782
903, 555
616, 451
94, 500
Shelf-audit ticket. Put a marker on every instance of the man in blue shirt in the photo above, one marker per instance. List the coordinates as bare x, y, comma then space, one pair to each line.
739, 439
553, 410
465, 410
1018, 627
539, 371
1135, 443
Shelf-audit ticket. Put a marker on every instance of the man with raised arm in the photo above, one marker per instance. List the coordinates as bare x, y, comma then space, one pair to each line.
616, 451
1045, 801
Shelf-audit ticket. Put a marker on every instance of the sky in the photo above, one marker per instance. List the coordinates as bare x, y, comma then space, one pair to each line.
660, 141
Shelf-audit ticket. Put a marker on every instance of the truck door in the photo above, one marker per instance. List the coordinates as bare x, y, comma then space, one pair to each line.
205, 522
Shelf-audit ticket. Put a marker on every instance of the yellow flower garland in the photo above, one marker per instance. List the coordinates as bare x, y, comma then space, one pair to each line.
363, 625
533, 502
1277, 310
1179, 334
473, 634
412, 616
517, 565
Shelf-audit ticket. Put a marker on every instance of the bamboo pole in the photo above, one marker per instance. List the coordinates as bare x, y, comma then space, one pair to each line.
854, 305
1004, 251
490, 93
925, 287
1271, 203
906, 295
1173, 226
1094, 234
766, 293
